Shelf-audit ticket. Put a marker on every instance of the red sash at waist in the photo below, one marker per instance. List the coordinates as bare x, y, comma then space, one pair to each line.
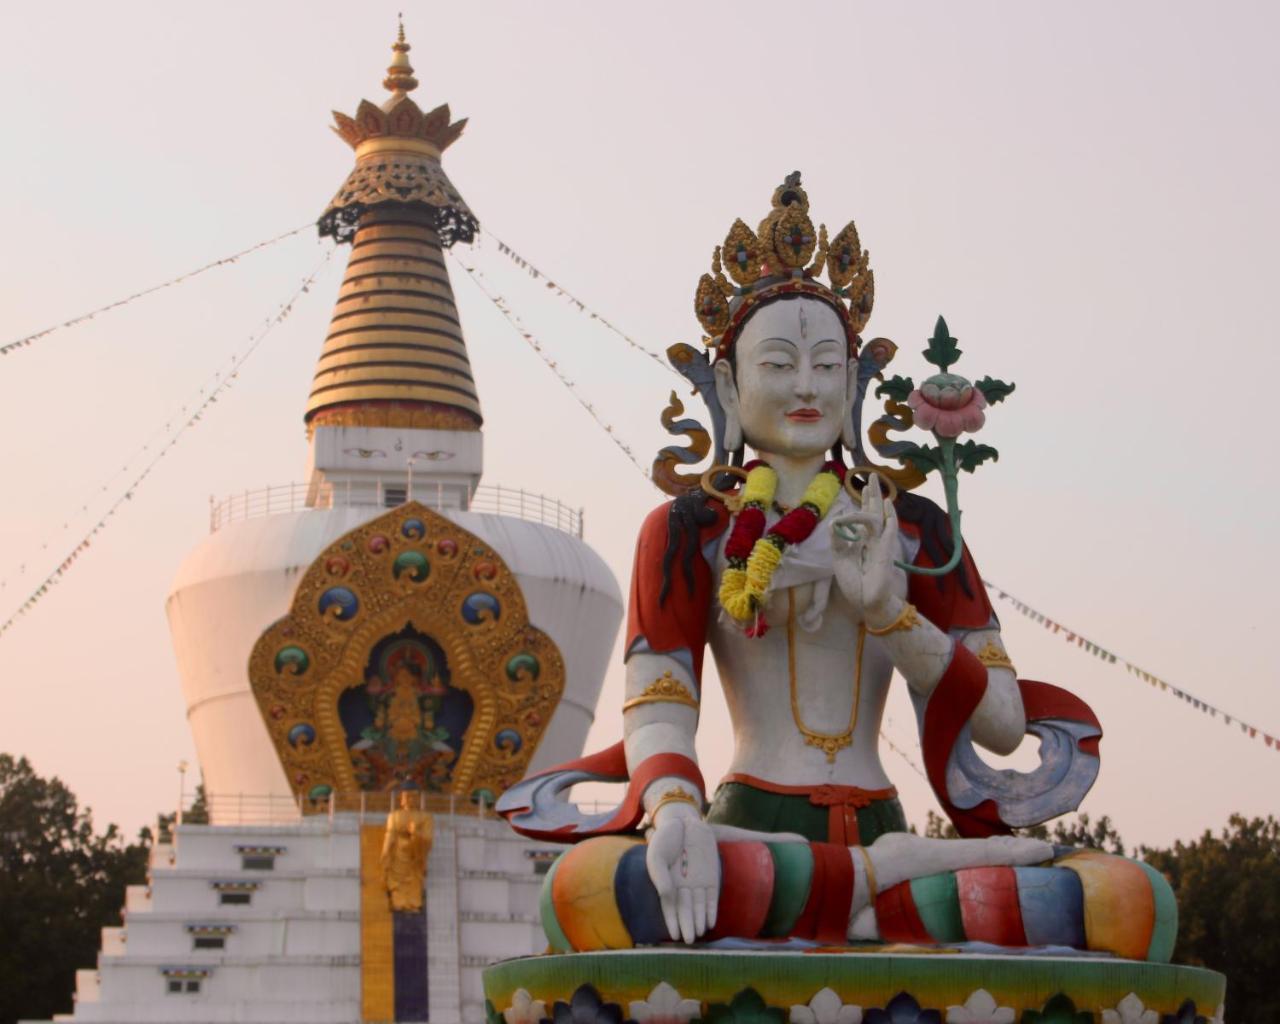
842, 803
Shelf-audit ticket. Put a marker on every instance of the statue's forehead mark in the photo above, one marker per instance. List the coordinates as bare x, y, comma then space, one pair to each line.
804, 323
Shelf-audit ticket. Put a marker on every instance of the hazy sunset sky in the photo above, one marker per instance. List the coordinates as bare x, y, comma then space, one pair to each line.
1086, 190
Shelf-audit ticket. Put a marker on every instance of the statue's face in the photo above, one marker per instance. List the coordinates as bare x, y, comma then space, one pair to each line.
792, 390
406, 800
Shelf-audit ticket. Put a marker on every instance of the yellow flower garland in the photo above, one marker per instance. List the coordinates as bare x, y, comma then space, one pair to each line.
742, 590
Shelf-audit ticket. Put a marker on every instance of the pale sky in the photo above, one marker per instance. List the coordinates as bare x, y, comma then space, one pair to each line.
1087, 191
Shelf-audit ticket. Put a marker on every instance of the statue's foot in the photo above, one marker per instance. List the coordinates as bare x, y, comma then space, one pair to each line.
901, 856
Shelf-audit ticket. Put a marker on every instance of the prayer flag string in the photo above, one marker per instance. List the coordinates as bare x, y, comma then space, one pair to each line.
237, 362
1077, 639
24, 342
573, 300
509, 315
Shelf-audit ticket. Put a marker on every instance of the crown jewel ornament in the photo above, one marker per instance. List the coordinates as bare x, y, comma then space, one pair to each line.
785, 254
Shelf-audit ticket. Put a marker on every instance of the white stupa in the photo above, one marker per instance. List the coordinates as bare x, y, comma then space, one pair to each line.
389, 624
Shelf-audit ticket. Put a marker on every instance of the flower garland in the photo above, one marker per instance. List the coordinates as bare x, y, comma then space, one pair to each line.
754, 555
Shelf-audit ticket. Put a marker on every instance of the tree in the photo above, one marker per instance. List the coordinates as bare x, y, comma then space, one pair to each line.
1099, 835
60, 883
1228, 890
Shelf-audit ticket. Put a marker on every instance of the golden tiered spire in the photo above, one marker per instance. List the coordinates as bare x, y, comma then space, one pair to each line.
395, 355
400, 73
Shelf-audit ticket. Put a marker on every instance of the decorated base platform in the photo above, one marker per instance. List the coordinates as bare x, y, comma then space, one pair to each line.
859, 985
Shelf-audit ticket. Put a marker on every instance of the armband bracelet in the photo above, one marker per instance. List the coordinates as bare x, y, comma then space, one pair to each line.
907, 619
993, 657
665, 690
672, 796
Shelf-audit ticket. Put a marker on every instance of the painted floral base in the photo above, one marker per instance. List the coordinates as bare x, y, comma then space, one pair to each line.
676, 986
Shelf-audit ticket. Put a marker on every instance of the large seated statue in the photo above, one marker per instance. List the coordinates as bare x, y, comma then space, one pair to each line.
813, 578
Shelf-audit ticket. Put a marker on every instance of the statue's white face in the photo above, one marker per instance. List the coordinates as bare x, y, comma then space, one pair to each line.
794, 387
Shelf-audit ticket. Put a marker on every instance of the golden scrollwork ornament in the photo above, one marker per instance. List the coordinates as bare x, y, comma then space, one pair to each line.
407, 660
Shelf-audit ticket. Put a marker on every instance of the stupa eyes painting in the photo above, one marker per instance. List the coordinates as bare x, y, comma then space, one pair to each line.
405, 723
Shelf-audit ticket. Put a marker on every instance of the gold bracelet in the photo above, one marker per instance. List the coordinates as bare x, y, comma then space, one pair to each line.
907, 619
872, 888
673, 796
666, 690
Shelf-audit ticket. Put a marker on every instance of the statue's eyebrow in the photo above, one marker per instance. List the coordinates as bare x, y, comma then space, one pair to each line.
785, 341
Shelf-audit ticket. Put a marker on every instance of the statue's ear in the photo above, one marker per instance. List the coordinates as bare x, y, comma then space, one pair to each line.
849, 431
727, 392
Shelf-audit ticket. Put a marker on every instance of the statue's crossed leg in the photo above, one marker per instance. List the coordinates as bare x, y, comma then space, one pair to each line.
1006, 891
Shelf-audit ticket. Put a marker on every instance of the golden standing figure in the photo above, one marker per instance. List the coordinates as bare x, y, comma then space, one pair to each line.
404, 854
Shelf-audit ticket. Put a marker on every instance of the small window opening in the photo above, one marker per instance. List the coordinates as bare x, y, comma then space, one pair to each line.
228, 899
210, 942
258, 862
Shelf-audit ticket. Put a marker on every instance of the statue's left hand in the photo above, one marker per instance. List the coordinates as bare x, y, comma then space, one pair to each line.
865, 543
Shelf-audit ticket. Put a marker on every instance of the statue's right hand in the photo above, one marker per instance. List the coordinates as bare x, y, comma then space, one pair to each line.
684, 866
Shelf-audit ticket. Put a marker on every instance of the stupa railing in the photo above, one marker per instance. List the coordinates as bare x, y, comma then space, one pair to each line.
278, 809
488, 498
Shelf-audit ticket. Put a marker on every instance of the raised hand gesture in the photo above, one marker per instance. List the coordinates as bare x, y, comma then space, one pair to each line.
865, 543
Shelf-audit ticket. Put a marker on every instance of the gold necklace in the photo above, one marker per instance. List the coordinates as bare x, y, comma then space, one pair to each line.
829, 743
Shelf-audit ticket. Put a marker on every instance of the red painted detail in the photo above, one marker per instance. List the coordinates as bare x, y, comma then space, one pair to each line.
948, 606
1044, 700
989, 906
898, 918
611, 764
746, 887
826, 913
679, 622
950, 705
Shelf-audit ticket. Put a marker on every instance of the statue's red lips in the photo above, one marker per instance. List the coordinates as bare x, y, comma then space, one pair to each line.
804, 415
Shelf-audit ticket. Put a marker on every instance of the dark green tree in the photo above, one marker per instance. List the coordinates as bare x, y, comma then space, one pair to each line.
1080, 832
198, 812
60, 883
1228, 889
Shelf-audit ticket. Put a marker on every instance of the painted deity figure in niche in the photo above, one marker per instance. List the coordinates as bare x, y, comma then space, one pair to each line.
406, 722
812, 583
405, 849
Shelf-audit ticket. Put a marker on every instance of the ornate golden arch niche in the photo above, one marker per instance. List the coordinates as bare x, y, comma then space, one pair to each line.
407, 660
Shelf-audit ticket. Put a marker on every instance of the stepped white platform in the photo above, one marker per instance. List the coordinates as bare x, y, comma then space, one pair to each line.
292, 951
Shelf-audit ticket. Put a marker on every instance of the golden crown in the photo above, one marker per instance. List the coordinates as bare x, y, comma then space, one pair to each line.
775, 259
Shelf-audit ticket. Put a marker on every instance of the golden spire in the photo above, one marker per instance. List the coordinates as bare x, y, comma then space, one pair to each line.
395, 355
400, 72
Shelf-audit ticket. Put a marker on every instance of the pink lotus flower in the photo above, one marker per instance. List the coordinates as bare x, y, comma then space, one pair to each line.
948, 405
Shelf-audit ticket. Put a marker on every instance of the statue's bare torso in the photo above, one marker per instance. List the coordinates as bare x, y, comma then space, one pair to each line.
755, 674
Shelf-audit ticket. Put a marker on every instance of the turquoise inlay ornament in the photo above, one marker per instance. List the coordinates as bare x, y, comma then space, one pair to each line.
412, 562
414, 529
481, 607
320, 792
523, 667
294, 659
340, 602
302, 734
508, 740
